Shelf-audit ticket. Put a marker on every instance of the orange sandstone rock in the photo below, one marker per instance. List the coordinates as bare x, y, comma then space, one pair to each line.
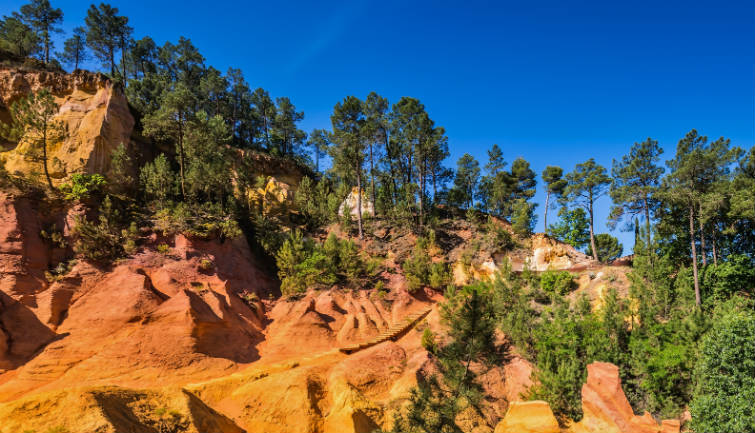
606, 408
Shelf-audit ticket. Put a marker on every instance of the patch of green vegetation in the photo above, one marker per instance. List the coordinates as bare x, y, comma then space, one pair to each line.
557, 282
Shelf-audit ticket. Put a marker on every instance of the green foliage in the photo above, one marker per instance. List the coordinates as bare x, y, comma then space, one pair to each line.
585, 184
557, 282
104, 240
573, 228
725, 375
735, 274
608, 248
420, 270
523, 217
106, 33
303, 263
554, 186
18, 38
82, 186
122, 170
428, 341
469, 317
636, 181
206, 221
158, 180
317, 202
465, 183
32, 120
74, 49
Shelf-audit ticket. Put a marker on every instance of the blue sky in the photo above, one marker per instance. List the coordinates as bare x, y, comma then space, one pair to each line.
554, 82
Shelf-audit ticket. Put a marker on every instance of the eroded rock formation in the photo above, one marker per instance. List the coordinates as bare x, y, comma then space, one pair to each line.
94, 112
604, 405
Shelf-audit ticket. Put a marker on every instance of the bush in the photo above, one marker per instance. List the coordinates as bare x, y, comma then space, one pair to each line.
428, 340
82, 186
302, 263
725, 372
207, 221
557, 282
736, 274
420, 270
608, 247
104, 240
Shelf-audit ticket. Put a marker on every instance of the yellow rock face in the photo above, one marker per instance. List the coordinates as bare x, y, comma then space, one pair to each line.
93, 111
528, 417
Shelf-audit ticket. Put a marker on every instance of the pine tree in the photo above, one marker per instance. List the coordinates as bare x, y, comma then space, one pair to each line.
376, 131
465, 183
348, 146
44, 20
636, 180
264, 112
106, 33
554, 185
18, 38
32, 120
608, 247
469, 317
158, 180
169, 122
319, 140
495, 183
587, 183
286, 135
74, 48
695, 167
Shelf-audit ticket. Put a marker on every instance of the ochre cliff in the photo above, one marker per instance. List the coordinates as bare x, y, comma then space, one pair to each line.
94, 112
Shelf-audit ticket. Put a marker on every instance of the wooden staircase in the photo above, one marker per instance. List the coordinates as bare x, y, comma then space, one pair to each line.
390, 333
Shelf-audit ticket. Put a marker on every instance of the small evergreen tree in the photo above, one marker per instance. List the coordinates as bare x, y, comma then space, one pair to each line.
608, 246
33, 120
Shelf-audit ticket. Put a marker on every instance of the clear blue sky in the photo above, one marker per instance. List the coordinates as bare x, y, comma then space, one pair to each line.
552, 81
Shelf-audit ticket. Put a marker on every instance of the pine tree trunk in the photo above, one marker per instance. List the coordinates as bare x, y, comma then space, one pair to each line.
47, 48
372, 178
715, 249
545, 216
694, 253
359, 201
181, 154
592, 231
112, 62
648, 247
44, 155
703, 252
422, 195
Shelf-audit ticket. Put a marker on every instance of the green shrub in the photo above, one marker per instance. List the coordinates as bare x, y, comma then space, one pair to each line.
103, 240
725, 376
206, 221
205, 265
82, 186
557, 282
163, 249
420, 270
428, 340
302, 263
